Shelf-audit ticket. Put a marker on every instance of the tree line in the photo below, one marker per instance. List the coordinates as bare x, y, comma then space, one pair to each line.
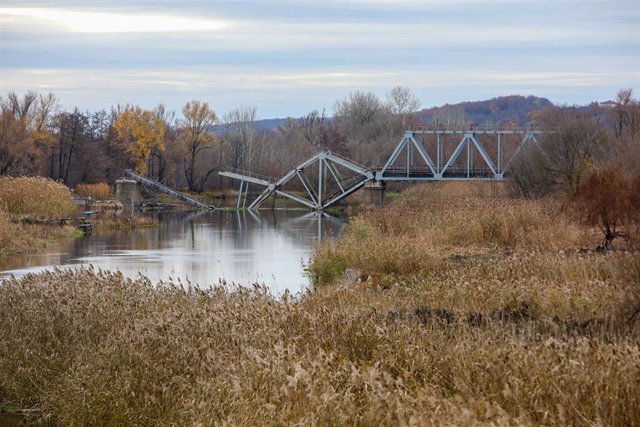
38, 137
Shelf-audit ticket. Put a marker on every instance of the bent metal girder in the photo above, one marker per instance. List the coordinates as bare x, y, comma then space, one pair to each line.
440, 169
316, 196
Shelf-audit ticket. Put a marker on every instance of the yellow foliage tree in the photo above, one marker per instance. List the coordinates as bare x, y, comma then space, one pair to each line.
141, 132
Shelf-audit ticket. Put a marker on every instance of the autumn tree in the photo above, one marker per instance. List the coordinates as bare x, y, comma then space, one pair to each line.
141, 132
27, 122
198, 137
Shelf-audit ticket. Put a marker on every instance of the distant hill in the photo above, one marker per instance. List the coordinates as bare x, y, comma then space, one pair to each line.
503, 110
271, 124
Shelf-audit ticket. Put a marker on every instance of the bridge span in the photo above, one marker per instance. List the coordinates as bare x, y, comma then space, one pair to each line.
423, 154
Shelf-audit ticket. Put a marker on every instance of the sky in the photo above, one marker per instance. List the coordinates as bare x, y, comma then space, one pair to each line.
289, 57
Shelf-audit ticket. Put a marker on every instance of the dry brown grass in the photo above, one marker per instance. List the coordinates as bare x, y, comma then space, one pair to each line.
35, 196
123, 221
494, 328
99, 191
430, 223
95, 349
14, 238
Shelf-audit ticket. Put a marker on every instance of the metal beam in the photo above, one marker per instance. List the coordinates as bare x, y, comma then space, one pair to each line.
456, 153
246, 178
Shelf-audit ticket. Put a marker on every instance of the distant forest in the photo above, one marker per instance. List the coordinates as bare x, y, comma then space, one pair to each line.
188, 148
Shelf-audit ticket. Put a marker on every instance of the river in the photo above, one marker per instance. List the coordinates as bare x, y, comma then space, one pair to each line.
204, 248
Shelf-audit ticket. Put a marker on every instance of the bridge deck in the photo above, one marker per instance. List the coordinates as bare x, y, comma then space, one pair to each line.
156, 186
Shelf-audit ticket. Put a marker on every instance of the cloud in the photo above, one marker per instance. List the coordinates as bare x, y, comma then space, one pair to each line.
100, 22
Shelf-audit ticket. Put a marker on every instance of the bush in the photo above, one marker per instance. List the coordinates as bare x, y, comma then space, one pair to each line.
99, 191
610, 199
35, 196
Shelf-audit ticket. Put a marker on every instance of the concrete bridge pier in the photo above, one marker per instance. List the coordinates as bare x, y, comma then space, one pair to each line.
128, 192
374, 192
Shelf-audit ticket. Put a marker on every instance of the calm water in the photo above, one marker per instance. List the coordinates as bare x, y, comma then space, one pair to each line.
269, 247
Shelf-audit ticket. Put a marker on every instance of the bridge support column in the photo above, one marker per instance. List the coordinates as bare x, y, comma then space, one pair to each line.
128, 192
374, 192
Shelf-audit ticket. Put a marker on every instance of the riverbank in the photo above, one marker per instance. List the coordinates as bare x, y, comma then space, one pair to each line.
33, 212
467, 308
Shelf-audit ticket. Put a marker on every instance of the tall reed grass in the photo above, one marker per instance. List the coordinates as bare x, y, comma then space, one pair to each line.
99, 191
93, 348
505, 323
35, 196
431, 223
14, 238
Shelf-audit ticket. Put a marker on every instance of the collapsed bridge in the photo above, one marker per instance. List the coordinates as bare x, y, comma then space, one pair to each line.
423, 154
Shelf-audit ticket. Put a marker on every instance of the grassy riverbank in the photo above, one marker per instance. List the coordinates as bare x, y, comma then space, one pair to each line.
33, 211
451, 305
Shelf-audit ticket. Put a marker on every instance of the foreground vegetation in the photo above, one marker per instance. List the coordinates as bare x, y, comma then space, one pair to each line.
32, 211
462, 310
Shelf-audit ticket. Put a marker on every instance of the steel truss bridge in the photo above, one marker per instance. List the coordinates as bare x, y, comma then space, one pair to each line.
421, 155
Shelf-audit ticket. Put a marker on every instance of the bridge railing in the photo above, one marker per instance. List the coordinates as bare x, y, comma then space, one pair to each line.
267, 178
474, 128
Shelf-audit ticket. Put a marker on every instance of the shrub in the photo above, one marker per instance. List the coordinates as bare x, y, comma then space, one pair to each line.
35, 196
99, 191
609, 198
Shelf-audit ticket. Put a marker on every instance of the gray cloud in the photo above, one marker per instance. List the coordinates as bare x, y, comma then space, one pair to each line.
289, 57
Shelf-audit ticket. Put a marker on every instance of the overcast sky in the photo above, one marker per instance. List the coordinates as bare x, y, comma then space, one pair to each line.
290, 57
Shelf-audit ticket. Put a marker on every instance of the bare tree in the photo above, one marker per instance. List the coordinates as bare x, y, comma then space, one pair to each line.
402, 103
572, 144
240, 135
626, 115
198, 137
322, 133
449, 116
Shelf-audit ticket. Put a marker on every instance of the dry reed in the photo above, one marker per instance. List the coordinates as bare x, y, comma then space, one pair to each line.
35, 196
99, 191
503, 324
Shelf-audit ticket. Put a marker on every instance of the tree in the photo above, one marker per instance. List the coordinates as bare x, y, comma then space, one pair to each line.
140, 131
573, 141
322, 133
72, 134
197, 137
362, 116
240, 135
13, 145
626, 115
449, 116
402, 103
27, 123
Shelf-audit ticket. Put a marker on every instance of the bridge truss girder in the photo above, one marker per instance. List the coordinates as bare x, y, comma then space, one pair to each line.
327, 164
437, 170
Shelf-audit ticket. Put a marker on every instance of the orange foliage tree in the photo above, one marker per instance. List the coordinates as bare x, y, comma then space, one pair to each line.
141, 132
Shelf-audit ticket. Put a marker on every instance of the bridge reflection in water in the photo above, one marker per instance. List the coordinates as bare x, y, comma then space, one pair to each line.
241, 247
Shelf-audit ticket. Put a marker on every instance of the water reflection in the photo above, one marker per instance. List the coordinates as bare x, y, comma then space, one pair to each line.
268, 247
